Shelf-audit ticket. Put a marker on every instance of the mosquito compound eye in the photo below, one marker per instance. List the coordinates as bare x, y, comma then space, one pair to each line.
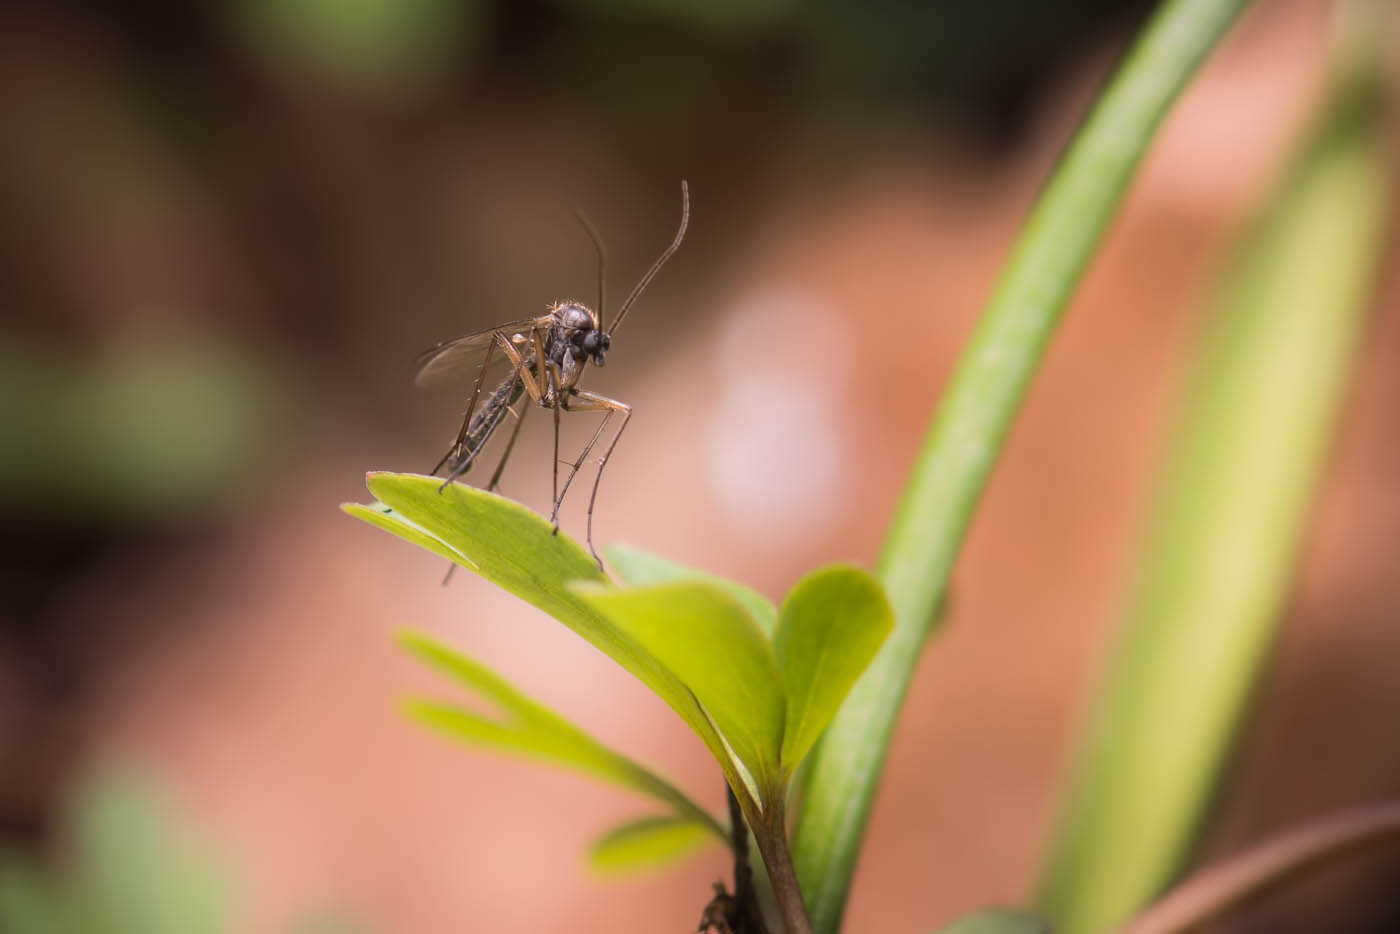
591, 342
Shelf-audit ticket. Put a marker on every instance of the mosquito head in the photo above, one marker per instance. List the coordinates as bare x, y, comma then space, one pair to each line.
595, 344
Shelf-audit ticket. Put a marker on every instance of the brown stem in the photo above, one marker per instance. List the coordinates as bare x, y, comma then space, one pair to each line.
771, 835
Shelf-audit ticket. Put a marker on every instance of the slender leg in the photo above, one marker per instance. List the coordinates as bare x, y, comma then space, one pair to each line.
593, 402
471, 406
549, 374
510, 445
521, 372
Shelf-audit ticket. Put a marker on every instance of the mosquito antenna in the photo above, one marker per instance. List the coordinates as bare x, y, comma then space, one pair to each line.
660, 260
602, 257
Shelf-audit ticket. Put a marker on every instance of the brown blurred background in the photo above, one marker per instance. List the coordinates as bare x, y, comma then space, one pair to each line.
227, 230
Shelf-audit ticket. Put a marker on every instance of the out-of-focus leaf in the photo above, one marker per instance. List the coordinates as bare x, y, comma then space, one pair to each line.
135, 873
530, 729
707, 637
1251, 443
373, 44
997, 922
830, 626
517, 550
639, 568
648, 843
28, 904
1222, 885
129, 870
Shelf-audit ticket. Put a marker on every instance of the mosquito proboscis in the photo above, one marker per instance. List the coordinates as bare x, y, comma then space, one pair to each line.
548, 355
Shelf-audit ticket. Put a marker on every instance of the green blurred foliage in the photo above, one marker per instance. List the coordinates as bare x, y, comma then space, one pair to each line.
126, 869
163, 428
370, 44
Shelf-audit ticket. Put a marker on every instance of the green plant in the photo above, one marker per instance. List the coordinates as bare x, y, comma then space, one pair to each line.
760, 685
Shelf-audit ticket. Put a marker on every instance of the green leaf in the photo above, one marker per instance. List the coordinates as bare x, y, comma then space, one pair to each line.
530, 729
517, 550
973, 418
830, 627
377, 514
712, 643
638, 568
997, 922
648, 843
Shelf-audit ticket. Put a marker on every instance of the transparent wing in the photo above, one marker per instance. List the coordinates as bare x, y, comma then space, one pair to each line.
450, 359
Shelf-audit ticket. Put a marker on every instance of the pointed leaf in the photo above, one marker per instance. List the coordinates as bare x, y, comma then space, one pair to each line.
638, 568
829, 628
707, 637
533, 730
517, 550
377, 514
648, 843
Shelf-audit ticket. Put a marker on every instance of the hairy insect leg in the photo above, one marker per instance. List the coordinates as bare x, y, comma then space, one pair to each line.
583, 401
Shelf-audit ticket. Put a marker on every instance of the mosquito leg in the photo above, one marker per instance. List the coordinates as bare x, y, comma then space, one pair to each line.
593, 402
583, 455
471, 406
549, 374
521, 372
510, 445
598, 477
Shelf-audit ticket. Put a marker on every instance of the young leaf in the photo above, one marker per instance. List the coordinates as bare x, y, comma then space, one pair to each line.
703, 634
377, 514
648, 843
829, 628
517, 550
530, 729
638, 568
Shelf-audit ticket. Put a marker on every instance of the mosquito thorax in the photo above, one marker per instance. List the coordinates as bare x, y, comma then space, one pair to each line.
576, 317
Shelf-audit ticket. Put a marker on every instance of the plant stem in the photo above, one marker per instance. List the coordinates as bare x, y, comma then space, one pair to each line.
771, 835
1060, 236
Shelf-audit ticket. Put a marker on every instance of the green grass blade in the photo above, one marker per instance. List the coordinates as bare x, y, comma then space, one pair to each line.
952, 468
528, 728
516, 549
638, 568
830, 626
718, 652
648, 843
1245, 463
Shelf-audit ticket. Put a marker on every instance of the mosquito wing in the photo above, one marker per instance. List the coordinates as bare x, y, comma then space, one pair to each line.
450, 359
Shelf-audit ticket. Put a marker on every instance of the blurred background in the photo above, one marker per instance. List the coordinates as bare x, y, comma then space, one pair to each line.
229, 228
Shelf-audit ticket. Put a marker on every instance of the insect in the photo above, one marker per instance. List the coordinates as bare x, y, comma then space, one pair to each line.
548, 356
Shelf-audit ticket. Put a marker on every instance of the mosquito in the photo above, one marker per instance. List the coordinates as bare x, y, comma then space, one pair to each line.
548, 355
